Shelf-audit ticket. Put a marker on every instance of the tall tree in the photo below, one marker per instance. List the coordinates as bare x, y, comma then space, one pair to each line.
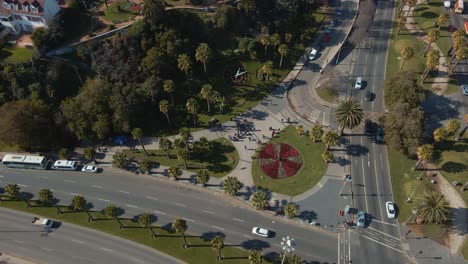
453, 127
209, 94
290, 210
46, 196
255, 257
348, 114
169, 88
145, 220
442, 19
275, 41
79, 203
265, 39
267, 69
14, 192
316, 132
327, 156
113, 211
193, 108
185, 135
203, 177
432, 207
137, 134
406, 54
460, 54
432, 62
119, 160
432, 37
260, 200
165, 107
247, 6
145, 165
217, 243
182, 155
90, 153
287, 38
184, 63
283, 51
180, 226
424, 152
440, 134
202, 54
330, 138
401, 23
153, 11
166, 145
231, 185
403, 87
174, 172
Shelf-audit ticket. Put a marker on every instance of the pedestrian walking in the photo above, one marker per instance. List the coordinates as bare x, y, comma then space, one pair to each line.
245, 147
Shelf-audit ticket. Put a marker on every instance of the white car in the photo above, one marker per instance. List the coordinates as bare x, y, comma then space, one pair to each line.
313, 54
261, 232
89, 168
464, 89
390, 207
358, 83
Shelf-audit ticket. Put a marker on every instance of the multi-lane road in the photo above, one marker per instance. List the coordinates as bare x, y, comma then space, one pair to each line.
66, 243
206, 213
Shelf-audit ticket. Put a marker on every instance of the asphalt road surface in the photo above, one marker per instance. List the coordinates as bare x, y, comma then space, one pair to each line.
66, 243
207, 214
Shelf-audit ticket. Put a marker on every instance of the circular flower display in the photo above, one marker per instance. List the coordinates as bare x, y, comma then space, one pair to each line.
279, 160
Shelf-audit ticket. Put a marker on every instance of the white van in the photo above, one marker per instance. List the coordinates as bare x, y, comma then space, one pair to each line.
65, 165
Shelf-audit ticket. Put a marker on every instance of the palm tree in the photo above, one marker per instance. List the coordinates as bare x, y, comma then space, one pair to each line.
432, 62
165, 107
442, 19
47, 196
458, 43
410, 4
145, 220
217, 244
202, 54
119, 160
174, 172
432, 36
180, 226
287, 38
316, 133
193, 107
460, 54
283, 51
255, 257
203, 177
300, 130
145, 166
432, 207
203, 146
14, 192
184, 64
290, 258
208, 93
137, 134
113, 211
248, 6
185, 135
327, 156
424, 152
440, 134
90, 153
182, 155
231, 185
330, 138
79, 203
166, 145
401, 23
453, 127
179, 143
267, 69
153, 11
169, 88
406, 54
265, 39
260, 200
275, 41
290, 210
348, 114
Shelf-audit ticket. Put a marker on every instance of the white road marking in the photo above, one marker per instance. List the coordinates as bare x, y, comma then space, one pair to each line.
137, 260
381, 160
44, 177
247, 236
209, 212
217, 227
133, 206
339, 246
382, 222
365, 186
159, 212
69, 181
22, 185
46, 249
96, 186
77, 241
190, 220
383, 233
237, 219
152, 198
124, 192
19, 242
75, 194
106, 249
104, 200
396, 249
349, 245
1, 176
183, 205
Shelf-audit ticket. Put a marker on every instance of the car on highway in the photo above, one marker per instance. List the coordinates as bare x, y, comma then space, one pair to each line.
464, 89
358, 83
390, 208
361, 219
261, 231
89, 168
379, 135
312, 54
369, 96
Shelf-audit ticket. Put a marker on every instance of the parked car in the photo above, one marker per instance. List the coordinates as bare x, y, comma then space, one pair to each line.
464, 89
329, 30
368, 127
369, 96
326, 38
379, 135
319, 46
358, 83
361, 219
390, 207
261, 232
313, 53
89, 168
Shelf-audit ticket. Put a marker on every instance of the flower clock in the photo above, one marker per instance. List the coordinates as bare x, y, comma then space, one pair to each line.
279, 160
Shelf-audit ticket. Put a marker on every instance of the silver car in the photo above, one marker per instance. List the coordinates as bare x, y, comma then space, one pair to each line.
89, 168
260, 232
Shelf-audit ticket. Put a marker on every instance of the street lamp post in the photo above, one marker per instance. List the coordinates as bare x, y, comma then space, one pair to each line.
289, 245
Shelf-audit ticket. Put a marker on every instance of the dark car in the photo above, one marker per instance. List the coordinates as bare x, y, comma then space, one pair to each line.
369, 96
326, 38
319, 46
379, 135
368, 127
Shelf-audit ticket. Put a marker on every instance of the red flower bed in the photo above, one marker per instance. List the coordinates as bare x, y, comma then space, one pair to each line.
279, 160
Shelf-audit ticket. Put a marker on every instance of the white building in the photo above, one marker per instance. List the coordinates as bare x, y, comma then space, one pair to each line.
26, 15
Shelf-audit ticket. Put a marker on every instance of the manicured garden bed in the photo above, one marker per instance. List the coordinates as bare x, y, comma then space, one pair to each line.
309, 174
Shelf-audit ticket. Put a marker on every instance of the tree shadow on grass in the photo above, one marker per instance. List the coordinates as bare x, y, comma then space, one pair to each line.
454, 167
208, 236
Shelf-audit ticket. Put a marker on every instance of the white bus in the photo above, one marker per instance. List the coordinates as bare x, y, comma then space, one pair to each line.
25, 161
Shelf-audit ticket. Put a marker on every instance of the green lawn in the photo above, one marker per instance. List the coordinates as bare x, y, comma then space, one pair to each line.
126, 12
168, 241
219, 162
13, 54
328, 95
312, 170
